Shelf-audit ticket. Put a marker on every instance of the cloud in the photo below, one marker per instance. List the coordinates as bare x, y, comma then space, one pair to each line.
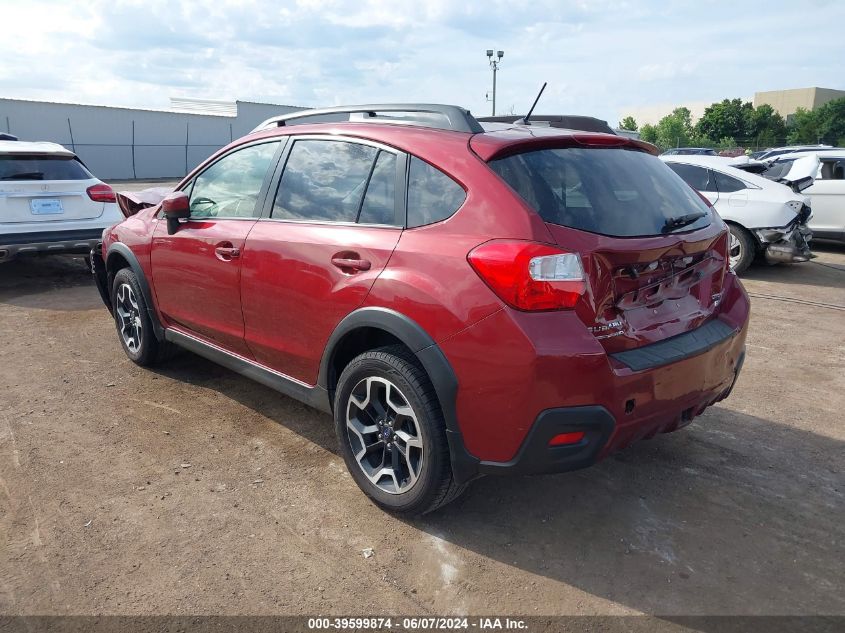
665, 70
598, 56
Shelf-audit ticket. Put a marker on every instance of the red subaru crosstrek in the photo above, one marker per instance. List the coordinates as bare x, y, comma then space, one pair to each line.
463, 300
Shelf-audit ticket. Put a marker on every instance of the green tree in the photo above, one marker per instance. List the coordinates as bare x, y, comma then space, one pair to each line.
831, 121
726, 142
728, 118
628, 123
767, 128
674, 130
648, 133
804, 127
700, 140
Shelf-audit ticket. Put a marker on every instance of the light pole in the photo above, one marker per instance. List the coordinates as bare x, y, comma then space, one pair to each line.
494, 64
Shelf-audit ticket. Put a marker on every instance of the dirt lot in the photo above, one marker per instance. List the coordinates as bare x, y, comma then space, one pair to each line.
191, 490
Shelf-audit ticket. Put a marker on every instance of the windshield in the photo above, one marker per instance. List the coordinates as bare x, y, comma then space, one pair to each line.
23, 167
617, 192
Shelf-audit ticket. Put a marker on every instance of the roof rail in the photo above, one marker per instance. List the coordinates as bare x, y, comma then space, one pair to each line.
433, 115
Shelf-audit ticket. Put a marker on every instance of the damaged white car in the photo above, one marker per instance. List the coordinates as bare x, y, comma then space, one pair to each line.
765, 217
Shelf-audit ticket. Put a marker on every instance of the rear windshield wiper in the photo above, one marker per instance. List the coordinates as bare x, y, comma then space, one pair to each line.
675, 223
25, 175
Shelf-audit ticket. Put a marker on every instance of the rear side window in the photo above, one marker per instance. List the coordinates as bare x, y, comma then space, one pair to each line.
432, 195
617, 192
325, 180
22, 167
728, 184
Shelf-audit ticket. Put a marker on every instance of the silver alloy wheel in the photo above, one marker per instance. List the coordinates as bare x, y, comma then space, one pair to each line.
129, 318
384, 434
734, 250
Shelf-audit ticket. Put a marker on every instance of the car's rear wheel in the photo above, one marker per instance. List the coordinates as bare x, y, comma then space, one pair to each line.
391, 432
741, 248
134, 327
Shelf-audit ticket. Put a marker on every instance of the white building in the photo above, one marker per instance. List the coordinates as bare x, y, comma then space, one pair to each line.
121, 143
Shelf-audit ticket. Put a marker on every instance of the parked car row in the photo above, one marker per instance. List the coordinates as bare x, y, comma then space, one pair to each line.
775, 201
764, 217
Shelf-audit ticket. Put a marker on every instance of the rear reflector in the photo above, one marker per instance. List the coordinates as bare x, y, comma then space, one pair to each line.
101, 193
562, 439
530, 275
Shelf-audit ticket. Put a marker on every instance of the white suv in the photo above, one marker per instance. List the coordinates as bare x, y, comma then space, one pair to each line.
827, 192
49, 201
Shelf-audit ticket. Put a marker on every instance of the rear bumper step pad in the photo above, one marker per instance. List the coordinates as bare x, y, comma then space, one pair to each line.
676, 348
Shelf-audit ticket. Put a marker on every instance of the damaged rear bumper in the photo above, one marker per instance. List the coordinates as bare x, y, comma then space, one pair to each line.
786, 245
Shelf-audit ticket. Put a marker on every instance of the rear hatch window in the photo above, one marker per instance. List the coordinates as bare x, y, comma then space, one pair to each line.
45, 189
22, 167
653, 254
612, 191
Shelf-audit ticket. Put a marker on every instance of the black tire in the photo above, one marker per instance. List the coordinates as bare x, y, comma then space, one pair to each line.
139, 341
434, 485
742, 246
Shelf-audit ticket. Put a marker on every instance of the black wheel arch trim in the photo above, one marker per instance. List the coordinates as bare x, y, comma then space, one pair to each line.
431, 357
122, 250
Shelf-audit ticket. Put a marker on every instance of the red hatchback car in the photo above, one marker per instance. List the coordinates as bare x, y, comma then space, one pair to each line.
463, 300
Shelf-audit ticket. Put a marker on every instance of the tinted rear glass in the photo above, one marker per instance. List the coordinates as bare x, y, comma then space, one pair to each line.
17, 167
779, 169
618, 192
432, 195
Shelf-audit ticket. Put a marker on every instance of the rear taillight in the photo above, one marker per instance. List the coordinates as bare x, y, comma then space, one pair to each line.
530, 276
101, 193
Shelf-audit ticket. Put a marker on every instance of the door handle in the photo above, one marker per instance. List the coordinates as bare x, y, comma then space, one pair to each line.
351, 265
225, 251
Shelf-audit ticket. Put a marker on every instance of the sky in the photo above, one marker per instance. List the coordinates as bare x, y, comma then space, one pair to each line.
600, 57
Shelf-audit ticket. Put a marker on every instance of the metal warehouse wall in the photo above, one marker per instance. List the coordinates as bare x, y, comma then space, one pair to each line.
122, 143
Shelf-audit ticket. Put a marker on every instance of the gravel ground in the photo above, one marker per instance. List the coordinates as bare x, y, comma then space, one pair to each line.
191, 490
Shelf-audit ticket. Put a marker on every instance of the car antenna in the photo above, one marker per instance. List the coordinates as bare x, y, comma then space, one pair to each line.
524, 120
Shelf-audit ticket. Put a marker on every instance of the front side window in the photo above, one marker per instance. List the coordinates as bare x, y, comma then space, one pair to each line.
610, 191
432, 195
230, 187
326, 180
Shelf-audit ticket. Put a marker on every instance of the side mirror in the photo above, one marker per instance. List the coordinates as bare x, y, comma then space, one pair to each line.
176, 206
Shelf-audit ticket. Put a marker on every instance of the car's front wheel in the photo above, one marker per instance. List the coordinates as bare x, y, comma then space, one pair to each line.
391, 432
134, 327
